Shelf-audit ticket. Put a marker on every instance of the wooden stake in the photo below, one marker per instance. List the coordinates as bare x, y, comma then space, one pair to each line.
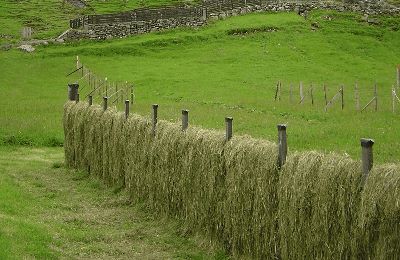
185, 119
282, 145
393, 99
106, 83
301, 92
155, 118
126, 109
228, 128
357, 97
326, 99
105, 103
131, 93
73, 91
312, 94
376, 98
342, 97
366, 155
90, 100
276, 90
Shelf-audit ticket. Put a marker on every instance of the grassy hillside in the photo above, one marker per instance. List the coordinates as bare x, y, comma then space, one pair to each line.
48, 212
49, 18
226, 68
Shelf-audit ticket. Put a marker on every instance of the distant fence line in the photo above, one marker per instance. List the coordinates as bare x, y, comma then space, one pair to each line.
98, 88
302, 93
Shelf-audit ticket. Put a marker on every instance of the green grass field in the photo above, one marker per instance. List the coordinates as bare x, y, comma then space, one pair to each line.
48, 212
49, 18
230, 68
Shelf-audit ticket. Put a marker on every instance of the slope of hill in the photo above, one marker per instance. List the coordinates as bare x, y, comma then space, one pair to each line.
49, 18
229, 67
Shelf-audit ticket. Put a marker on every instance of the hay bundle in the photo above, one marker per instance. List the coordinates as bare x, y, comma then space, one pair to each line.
92, 144
251, 202
314, 208
319, 197
136, 160
380, 214
69, 139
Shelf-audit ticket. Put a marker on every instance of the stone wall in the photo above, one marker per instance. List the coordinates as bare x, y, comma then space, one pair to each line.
120, 30
366, 7
101, 31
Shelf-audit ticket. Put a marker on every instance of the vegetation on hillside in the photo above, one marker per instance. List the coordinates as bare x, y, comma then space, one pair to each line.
214, 73
49, 18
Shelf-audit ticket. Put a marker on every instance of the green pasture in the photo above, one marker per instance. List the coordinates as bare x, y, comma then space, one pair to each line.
49, 18
228, 68
49, 212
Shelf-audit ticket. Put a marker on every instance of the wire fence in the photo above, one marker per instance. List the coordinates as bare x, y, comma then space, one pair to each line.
359, 97
95, 88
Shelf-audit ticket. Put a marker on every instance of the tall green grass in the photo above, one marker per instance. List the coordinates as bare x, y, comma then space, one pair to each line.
316, 207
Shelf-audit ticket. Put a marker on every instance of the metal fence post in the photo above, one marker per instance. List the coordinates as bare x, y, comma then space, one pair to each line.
282, 145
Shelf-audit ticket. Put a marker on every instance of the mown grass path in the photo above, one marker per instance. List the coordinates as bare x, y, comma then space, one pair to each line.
47, 211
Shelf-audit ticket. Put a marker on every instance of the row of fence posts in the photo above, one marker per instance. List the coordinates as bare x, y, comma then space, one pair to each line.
366, 144
340, 94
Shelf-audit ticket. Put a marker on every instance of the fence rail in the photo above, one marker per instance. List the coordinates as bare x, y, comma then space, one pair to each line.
363, 97
93, 87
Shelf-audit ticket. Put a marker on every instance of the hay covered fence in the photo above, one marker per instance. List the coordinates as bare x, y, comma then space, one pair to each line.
316, 206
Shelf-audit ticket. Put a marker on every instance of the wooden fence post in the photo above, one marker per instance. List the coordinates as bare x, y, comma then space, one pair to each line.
393, 99
326, 99
366, 155
126, 109
312, 94
301, 92
357, 97
228, 128
105, 103
106, 86
282, 145
131, 93
342, 96
276, 91
73, 91
376, 98
155, 115
185, 119
90, 100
